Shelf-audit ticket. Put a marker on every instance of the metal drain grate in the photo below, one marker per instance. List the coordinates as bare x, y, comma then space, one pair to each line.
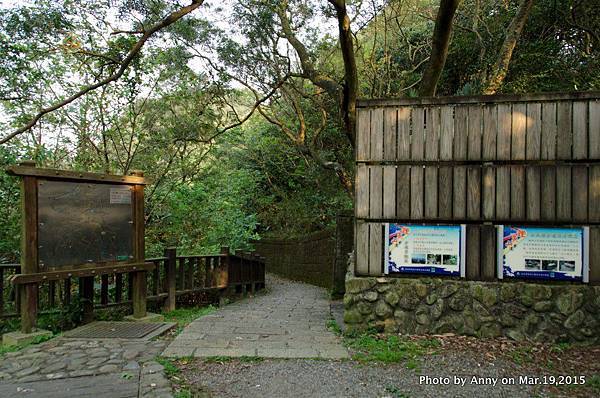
118, 330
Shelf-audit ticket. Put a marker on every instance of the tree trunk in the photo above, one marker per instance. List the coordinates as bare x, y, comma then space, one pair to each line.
439, 47
350, 73
513, 34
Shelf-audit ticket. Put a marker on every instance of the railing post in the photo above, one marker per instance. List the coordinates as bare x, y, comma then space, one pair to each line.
224, 275
170, 265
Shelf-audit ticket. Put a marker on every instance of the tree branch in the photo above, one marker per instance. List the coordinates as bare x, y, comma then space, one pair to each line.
133, 52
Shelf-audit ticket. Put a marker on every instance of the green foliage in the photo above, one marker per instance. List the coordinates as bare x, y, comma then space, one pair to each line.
334, 327
185, 316
370, 347
171, 368
12, 348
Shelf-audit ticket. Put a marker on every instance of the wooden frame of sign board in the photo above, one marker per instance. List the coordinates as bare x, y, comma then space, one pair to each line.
34, 271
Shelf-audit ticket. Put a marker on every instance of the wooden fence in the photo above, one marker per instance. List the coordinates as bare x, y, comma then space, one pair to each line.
480, 161
173, 276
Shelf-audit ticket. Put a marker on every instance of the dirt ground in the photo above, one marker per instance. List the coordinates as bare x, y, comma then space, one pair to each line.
459, 367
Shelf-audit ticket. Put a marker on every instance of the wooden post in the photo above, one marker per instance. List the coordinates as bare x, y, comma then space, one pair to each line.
29, 250
170, 262
86, 291
139, 277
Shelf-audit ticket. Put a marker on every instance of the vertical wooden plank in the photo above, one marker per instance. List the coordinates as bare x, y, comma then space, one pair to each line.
594, 129
563, 193
580, 130
417, 172
519, 131
446, 140
503, 192
488, 204
404, 133
473, 193
533, 152
517, 192
390, 124
66, 292
362, 190
579, 194
594, 181
445, 205
594, 255
363, 134
475, 132
533, 177
490, 132
488, 252
362, 248
375, 191
170, 265
549, 130
548, 196
564, 134
376, 249
534, 131
377, 134
503, 151
389, 191
473, 262
403, 192
432, 139
445, 187
51, 294
594, 195
461, 143
518, 152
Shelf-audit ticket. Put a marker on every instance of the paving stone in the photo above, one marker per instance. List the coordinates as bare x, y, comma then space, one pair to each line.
81, 372
108, 369
54, 367
27, 371
95, 362
53, 376
133, 365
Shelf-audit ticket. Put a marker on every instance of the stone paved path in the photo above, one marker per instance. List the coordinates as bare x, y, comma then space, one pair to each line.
81, 368
287, 321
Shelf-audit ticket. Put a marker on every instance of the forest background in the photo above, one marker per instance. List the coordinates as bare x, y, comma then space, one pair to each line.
238, 111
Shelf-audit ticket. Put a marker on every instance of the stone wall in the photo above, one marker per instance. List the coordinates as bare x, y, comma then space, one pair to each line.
518, 310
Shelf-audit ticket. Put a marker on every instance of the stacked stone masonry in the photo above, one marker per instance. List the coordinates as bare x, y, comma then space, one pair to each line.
518, 310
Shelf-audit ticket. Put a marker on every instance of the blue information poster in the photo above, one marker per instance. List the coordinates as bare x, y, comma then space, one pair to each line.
429, 249
542, 253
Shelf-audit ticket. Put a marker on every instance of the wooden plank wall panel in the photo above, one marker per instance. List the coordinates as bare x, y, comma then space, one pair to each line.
519, 131
390, 126
376, 152
548, 174
488, 152
362, 191
533, 152
416, 172
375, 249
403, 185
432, 138
389, 191
362, 248
363, 131
375, 191
474, 173
445, 172
461, 145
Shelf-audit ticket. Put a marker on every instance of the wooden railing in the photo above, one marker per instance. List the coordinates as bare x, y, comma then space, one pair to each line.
173, 276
